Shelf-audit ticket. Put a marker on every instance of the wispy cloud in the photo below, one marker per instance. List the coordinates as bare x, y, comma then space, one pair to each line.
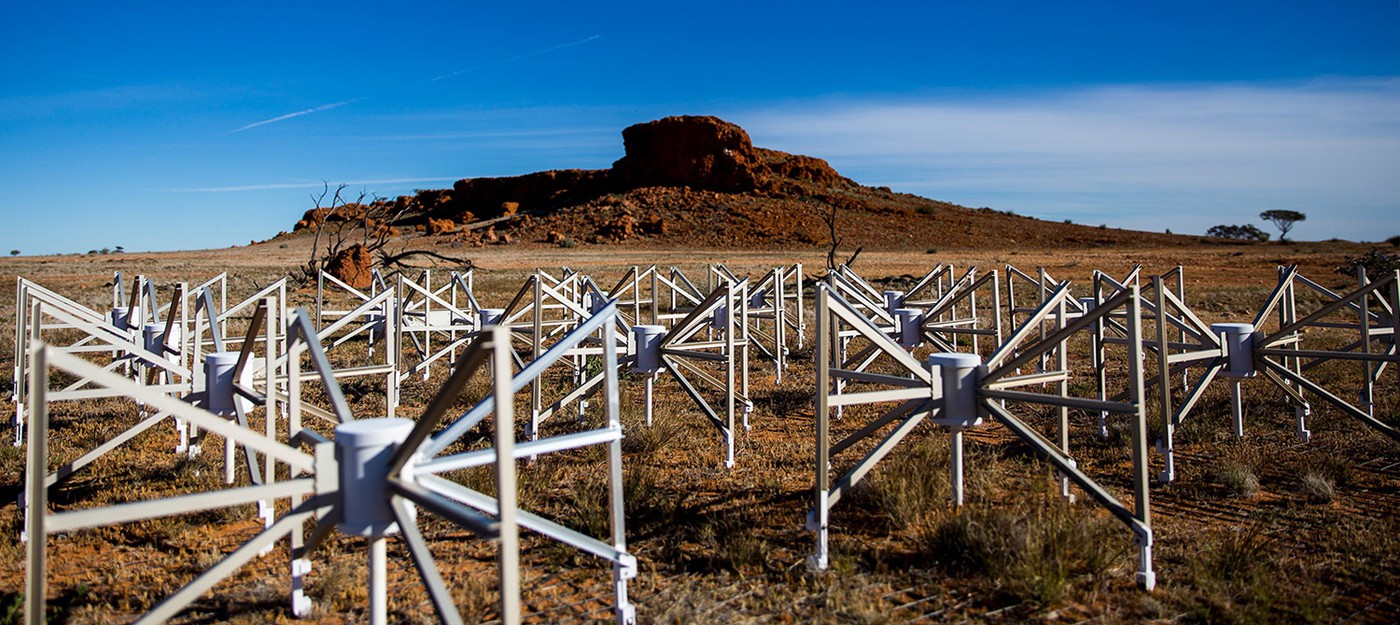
1185, 156
317, 109
305, 185
333, 105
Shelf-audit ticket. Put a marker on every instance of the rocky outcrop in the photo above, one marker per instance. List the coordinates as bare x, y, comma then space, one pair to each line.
487, 198
702, 153
692, 155
439, 226
698, 152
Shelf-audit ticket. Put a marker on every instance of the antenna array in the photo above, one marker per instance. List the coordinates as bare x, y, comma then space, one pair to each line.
954, 349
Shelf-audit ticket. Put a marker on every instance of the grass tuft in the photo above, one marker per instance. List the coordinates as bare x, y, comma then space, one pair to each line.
1317, 488
1036, 557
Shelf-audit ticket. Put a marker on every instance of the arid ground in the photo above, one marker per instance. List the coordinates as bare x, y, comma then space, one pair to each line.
1262, 529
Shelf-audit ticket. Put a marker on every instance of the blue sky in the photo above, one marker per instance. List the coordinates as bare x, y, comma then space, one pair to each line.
183, 126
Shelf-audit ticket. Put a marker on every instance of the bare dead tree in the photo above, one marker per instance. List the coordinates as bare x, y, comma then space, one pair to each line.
338, 221
367, 221
826, 210
398, 260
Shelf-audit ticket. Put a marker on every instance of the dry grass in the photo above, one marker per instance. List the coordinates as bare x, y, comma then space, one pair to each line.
718, 545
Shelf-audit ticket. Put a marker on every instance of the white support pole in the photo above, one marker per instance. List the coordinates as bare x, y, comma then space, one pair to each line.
1062, 363
1238, 339
1367, 394
729, 373
1167, 444
378, 582
1237, 407
818, 520
650, 380
36, 493
956, 381
1142, 492
955, 461
509, 561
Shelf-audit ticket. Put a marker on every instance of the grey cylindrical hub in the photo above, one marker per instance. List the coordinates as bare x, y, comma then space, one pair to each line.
910, 328
121, 318
596, 304
721, 319
376, 318
1239, 348
440, 318
893, 301
153, 338
363, 449
958, 376
491, 316
756, 298
151, 335
648, 343
218, 382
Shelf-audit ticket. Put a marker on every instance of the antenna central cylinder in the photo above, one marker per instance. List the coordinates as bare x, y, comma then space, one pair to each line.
910, 330
491, 316
595, 304
218, 382
153, 338
721, 319
1239, 348
121, 318
756, 299
893, 301
363, 449
376, 318
648, 344
958, 377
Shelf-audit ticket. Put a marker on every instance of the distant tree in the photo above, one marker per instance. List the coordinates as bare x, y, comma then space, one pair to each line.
1282, 219
1245, 232
14, 252
1394, 241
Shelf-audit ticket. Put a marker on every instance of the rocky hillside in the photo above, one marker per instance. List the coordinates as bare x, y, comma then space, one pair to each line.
699, 181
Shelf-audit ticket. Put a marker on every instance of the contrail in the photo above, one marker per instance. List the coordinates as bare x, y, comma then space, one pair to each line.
519, 57
327, 107
323, 107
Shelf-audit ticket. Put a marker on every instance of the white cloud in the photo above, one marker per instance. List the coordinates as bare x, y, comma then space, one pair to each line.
1185, 157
